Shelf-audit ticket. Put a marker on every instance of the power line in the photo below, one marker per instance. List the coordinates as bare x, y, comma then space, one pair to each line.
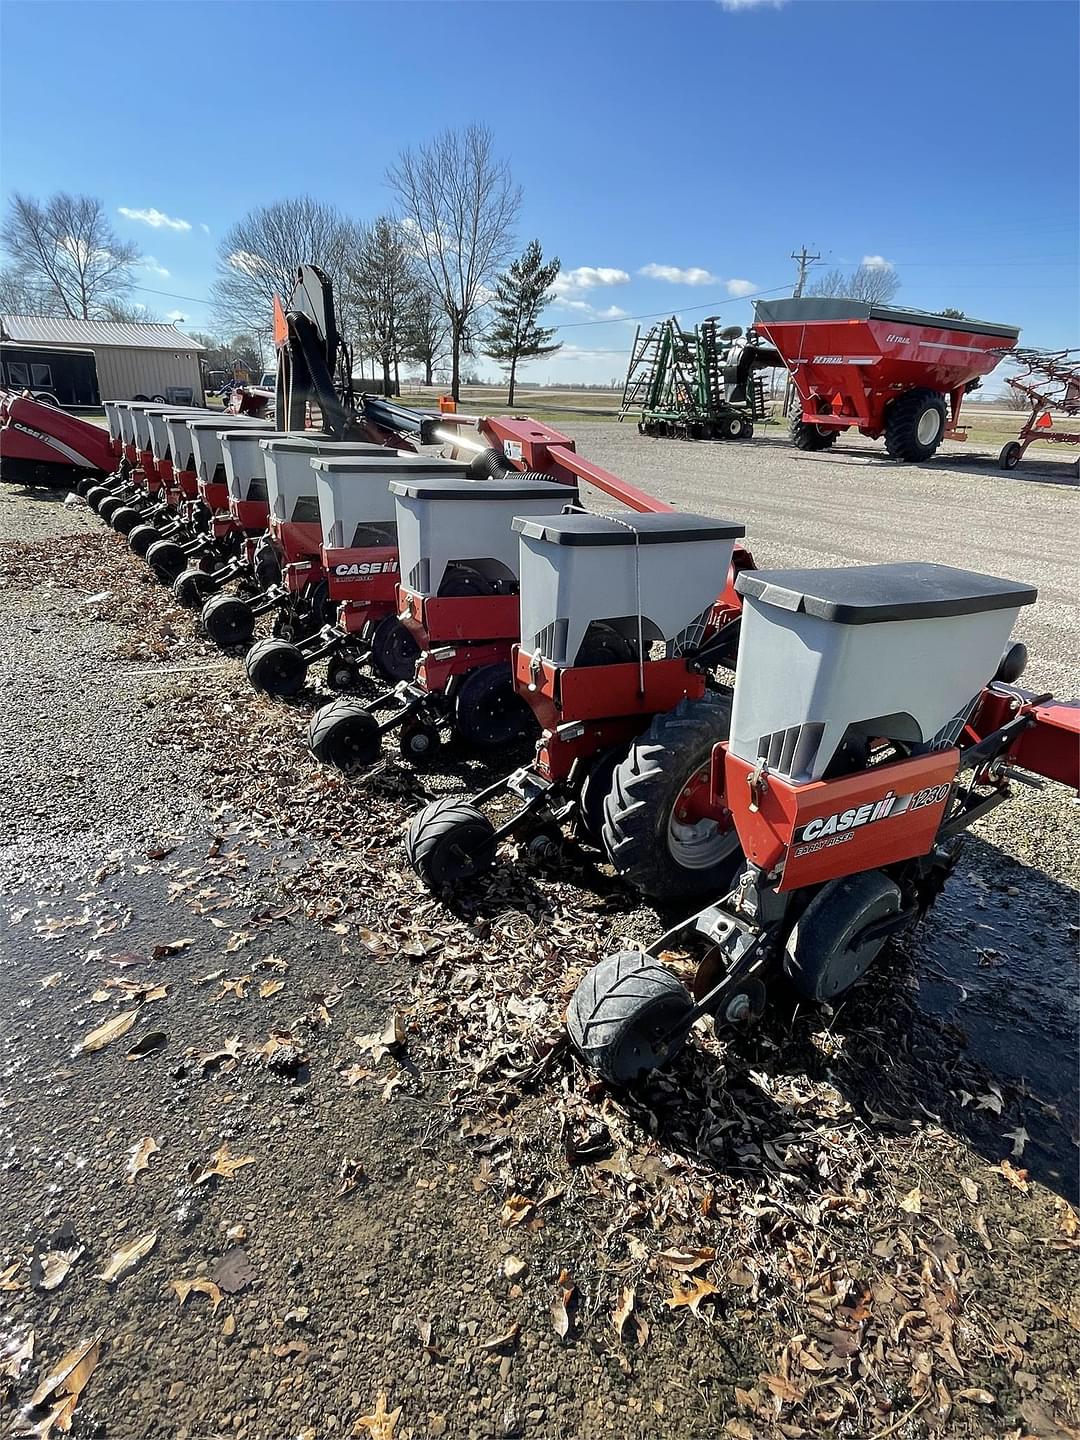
804, 261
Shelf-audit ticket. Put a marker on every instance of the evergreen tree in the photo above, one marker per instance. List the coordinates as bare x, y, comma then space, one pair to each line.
520, 296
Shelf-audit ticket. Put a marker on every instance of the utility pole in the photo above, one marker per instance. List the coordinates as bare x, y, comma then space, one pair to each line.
804, 261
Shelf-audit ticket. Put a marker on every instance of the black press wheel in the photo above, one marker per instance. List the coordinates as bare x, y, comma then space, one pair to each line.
108, 507
228, 621
345, 735
167, 560
824, 955
657, 833
488, 711
419, 741
1010, 455
805, 435
96, 494
915, 425
142, 536
125, 518
276, 667
193, 588
449, 842
604, 645
342, 673
394, 652
622, 1016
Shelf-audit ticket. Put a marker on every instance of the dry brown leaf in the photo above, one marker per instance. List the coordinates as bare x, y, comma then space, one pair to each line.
184, 1288
48, 982
1068, 1223
699, 1291
7, 1277
14, 1356
69, 1377
502, 1342
912, 1202
562, 1307
784, 1390
140, 1157
236, 986
112, 1030
50, 1270
380, 1423
222, 1164
1017, 1178
977, 1396
272, 962
970, 1189
625, 1316
128, 1257
687, 1261
270, 987
171, 947
353, 1074
516, 1210
390, 1037
228, 1325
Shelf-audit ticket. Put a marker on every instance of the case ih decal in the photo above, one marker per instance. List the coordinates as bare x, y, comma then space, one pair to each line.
841, 825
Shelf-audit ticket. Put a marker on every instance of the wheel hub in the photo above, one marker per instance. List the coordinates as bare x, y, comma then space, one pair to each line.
697, 837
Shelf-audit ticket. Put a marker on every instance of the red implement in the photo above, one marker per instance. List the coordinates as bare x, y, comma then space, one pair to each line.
43, 445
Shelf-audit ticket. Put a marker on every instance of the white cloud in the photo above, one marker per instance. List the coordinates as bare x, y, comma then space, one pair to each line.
751, 4
570, 284
581, 306
877, 262
673, 275
156, 219
204, 228
740, 287
149, 263
612, 313
175, 315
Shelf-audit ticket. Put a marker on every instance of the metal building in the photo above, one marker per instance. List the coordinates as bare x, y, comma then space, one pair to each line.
134, 360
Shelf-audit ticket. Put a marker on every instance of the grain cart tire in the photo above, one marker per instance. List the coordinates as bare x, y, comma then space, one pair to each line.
394, 652
650, 834
449, 842
345, 735
820, 959
620, 1013
914, 425
488, 711
167, 560
276, 667
228, 621
1010, 455
193, 588
806, 436
142, 536
125, 518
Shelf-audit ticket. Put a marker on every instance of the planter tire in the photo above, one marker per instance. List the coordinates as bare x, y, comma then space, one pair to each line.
619, 1013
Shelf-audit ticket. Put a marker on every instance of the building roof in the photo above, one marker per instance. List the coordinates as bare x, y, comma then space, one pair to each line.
130, 335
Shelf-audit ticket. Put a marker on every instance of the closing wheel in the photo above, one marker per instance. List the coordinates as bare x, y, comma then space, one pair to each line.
345, 735
394, 652
805, 435
604, 645
915, 425
418, 741
1010, 455
275, 667
448, 842
96, 494
488, 711
108, 507
622, 1016
167, 560
659, 832
824, 955
142, 536
124, 519
342, 673
228, 621
193, 588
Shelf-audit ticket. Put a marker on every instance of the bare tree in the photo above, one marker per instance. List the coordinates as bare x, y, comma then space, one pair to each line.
65, 250
424, 334
460, 206
21, 294
876, 283
258, 256
379, 284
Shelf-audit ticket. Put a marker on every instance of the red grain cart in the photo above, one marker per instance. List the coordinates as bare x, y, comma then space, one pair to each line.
883, 371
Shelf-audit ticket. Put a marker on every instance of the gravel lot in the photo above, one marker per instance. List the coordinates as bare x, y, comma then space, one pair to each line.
441, 1209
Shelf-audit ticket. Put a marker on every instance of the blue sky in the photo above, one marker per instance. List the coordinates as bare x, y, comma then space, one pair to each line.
672, 155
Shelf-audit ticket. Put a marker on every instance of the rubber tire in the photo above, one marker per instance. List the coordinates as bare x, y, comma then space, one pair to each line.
902, 423
593, 793
125, 518
345, 735
604, 645
731, 427
614, 1008
491, 688
746, 428
228, 621
276, 668
95, 495
643, 791
193, 588
807, 436
1009, 458
167, 560
342, 673
394, 652
840, 908
440, 829
141, 537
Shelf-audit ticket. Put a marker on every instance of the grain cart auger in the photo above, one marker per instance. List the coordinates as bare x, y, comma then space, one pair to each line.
622, 616
898, 373
866, 737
